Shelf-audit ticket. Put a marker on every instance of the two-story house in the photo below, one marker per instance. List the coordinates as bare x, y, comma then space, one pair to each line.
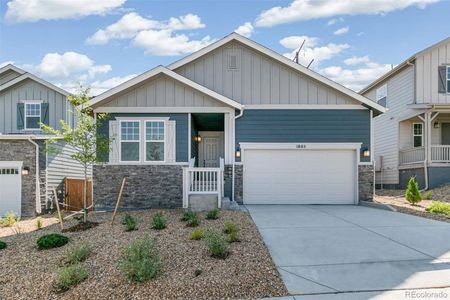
29, 173
413, 137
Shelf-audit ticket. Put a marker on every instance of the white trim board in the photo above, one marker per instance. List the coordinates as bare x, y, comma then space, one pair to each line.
307, 146
95, 102
37, 79
146, 109
11, 67
305, 106
280, 58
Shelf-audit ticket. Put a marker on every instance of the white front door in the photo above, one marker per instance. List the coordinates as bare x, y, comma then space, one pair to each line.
10, 187
210, 149
281, 176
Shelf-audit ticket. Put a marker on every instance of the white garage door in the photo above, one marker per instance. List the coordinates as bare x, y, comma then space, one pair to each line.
10, 188
299, 176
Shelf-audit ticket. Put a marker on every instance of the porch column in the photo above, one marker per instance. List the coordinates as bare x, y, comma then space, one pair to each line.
428, 136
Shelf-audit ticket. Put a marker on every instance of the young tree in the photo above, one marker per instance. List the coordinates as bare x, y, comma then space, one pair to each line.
412, 194
83, 137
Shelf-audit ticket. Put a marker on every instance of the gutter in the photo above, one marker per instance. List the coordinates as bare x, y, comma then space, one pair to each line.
234, 155
38, 189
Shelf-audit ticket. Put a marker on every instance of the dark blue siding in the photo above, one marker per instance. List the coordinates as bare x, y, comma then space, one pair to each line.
305, 126
181, 131
438, 176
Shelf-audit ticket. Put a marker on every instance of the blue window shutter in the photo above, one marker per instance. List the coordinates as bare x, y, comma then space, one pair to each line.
20, 116
44, 113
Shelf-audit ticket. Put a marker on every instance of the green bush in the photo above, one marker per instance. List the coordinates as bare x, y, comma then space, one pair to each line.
69, 276
187, 215
52, 240
9, 219
3, 245
233, 237
428, 195
129, 222
212, 214
193, 221
196, 234
412, 194
439, 207
140, 261
158, 221
231, 227
39, 224
77, 253
216, 244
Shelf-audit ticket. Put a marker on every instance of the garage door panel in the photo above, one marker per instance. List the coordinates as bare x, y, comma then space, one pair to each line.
299, 176
10, 189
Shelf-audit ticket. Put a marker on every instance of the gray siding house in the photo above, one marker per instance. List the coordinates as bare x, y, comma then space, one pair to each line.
28, 173
413, 137
235, 120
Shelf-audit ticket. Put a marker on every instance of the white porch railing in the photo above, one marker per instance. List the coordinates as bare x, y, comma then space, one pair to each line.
440, 153
411, 156
203, 181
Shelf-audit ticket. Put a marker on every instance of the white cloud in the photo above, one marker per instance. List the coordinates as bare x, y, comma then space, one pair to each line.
356, 60
342, 30
7, 62
311, 50
98, 87
246, 29
166, 43
35, 10
335, 20
302, 10
132, 23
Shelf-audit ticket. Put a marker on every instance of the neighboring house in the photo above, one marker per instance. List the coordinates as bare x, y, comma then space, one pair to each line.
28, 173
413, 137
239, 120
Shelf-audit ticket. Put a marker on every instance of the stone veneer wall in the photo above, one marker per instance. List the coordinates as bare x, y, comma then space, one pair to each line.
23, 150
147, 186
366, 182
238, 183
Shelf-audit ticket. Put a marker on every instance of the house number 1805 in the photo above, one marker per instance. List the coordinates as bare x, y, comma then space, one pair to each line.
300, 146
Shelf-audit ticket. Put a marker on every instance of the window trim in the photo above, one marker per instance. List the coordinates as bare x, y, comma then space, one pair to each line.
414, 135
121, 141
376, 96
25, 127
448, 79
144, 123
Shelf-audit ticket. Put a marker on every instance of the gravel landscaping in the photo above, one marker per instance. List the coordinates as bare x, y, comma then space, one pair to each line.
189, 272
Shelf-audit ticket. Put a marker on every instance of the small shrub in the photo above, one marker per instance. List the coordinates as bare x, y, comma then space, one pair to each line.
187, 215
52, 240
3, 245
193, 221
212, 214
140, 261
428, 195
196, 234
439, 207
39, 224
69, 276
9, 219
413, 195
233, 237
216, 244
231, 227
129, 222
158, 221
77, 253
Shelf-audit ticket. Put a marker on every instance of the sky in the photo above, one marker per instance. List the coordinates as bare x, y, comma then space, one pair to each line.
102, 43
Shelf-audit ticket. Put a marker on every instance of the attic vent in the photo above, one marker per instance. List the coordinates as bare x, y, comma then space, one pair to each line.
232, 62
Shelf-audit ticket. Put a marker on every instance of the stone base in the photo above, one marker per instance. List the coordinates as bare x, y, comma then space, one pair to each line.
366, 180
238, 183
202, 202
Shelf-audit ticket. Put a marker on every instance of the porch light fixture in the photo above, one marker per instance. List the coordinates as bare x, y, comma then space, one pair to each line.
25, 170
238, 152
197, 138
436, 125
366, 152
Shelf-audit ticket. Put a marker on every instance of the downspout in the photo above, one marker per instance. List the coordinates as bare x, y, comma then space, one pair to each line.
234, 152
38, 189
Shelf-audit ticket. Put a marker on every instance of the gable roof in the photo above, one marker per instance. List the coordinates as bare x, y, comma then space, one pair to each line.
95, 102
402, 65
25, 75
283, 60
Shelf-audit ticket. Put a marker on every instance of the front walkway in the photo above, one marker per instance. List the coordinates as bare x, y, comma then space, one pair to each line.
335, 249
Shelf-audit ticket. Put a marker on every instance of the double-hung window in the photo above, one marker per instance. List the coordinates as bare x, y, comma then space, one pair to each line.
154, 141
418, 134
130, 141
32, 115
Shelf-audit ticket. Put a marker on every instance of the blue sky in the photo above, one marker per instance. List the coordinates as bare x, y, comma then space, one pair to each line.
101, 43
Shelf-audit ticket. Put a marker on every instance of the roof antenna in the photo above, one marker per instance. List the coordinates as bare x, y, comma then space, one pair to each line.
310, 63
298, 52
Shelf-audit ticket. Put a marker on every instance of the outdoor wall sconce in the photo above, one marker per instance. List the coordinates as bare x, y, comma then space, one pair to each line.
197, 138
436, 125
366, 152
25, 170
238, 153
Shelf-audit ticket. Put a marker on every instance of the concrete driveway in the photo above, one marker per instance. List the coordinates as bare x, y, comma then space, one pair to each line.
327, 249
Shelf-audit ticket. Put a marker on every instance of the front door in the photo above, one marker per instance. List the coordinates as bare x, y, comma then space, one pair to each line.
445, 132
211, 149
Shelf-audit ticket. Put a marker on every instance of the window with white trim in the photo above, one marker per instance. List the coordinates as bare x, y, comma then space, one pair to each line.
32, 115
417, 135
130, 141
154, 140
448, 79
381, 95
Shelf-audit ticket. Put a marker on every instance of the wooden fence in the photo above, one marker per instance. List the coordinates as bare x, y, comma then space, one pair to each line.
74, 192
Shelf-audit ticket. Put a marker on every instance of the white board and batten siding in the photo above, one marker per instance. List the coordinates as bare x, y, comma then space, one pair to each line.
257, 79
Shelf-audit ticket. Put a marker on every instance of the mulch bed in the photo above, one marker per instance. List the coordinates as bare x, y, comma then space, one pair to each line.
188, 273
82, 226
